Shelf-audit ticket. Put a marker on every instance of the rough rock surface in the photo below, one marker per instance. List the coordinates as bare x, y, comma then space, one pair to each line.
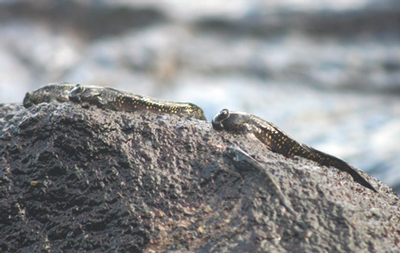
74, 178
290, 62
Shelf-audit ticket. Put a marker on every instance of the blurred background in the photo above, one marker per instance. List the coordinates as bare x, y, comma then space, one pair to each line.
327, 72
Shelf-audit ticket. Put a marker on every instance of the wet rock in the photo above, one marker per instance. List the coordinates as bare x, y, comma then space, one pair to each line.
74, 178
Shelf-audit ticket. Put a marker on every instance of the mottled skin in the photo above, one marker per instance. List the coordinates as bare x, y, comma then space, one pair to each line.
49, 93
108, 98
118, 100
280, 142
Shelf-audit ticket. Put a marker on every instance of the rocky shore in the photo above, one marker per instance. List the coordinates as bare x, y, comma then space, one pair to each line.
85, 179
326, 72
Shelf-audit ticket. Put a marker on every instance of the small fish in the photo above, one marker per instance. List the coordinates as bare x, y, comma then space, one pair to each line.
108, 98
278, 141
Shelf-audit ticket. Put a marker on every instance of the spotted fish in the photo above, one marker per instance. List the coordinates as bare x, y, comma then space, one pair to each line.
118, 100
280, 142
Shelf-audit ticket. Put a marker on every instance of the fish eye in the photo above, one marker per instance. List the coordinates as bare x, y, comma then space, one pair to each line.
78, 89
219, 118
223, 114
27, 103
75, 92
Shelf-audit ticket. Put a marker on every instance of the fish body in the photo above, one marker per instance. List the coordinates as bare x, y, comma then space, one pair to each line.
118, 100
108, 98
278, 141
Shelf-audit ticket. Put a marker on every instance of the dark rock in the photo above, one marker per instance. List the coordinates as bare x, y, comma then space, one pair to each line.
95, 180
